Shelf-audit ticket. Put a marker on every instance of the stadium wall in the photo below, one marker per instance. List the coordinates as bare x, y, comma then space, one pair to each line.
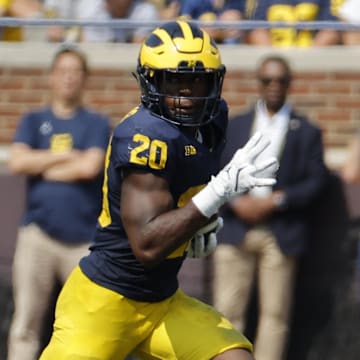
326, 86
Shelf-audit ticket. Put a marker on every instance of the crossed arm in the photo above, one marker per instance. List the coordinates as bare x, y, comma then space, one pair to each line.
69, 166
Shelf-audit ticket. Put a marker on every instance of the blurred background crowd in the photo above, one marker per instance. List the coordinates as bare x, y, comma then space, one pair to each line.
202, 10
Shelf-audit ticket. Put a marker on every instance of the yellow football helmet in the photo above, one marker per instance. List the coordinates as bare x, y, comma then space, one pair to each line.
173, 52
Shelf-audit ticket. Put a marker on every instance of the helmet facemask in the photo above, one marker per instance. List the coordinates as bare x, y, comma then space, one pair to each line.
183, 96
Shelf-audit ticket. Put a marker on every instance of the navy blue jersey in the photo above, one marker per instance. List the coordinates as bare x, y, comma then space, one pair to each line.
145, 141
66, 211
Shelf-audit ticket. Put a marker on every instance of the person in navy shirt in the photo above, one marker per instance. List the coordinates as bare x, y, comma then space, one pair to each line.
60, 149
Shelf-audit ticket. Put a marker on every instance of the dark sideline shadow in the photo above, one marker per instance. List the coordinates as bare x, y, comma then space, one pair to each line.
323, 293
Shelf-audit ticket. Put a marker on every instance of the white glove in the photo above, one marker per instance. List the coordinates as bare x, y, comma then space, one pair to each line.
204, 241
238, 176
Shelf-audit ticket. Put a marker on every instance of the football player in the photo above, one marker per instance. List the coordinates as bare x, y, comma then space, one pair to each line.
160, 191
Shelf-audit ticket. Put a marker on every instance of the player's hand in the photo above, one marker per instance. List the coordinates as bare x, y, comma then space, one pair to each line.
238, 176
204, 241
242, 174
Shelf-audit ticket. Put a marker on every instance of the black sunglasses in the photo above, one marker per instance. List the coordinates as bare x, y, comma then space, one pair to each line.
283, 81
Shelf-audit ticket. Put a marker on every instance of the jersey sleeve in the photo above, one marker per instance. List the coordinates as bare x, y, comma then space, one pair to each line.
148, 147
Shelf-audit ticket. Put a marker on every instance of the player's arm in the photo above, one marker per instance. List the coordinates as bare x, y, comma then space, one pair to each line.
28, 161
155, 229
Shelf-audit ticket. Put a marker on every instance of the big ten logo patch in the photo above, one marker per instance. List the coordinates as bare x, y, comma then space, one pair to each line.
190, 150
61, 143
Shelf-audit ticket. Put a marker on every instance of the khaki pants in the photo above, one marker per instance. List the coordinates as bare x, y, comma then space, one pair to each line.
234, 275
40, 261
